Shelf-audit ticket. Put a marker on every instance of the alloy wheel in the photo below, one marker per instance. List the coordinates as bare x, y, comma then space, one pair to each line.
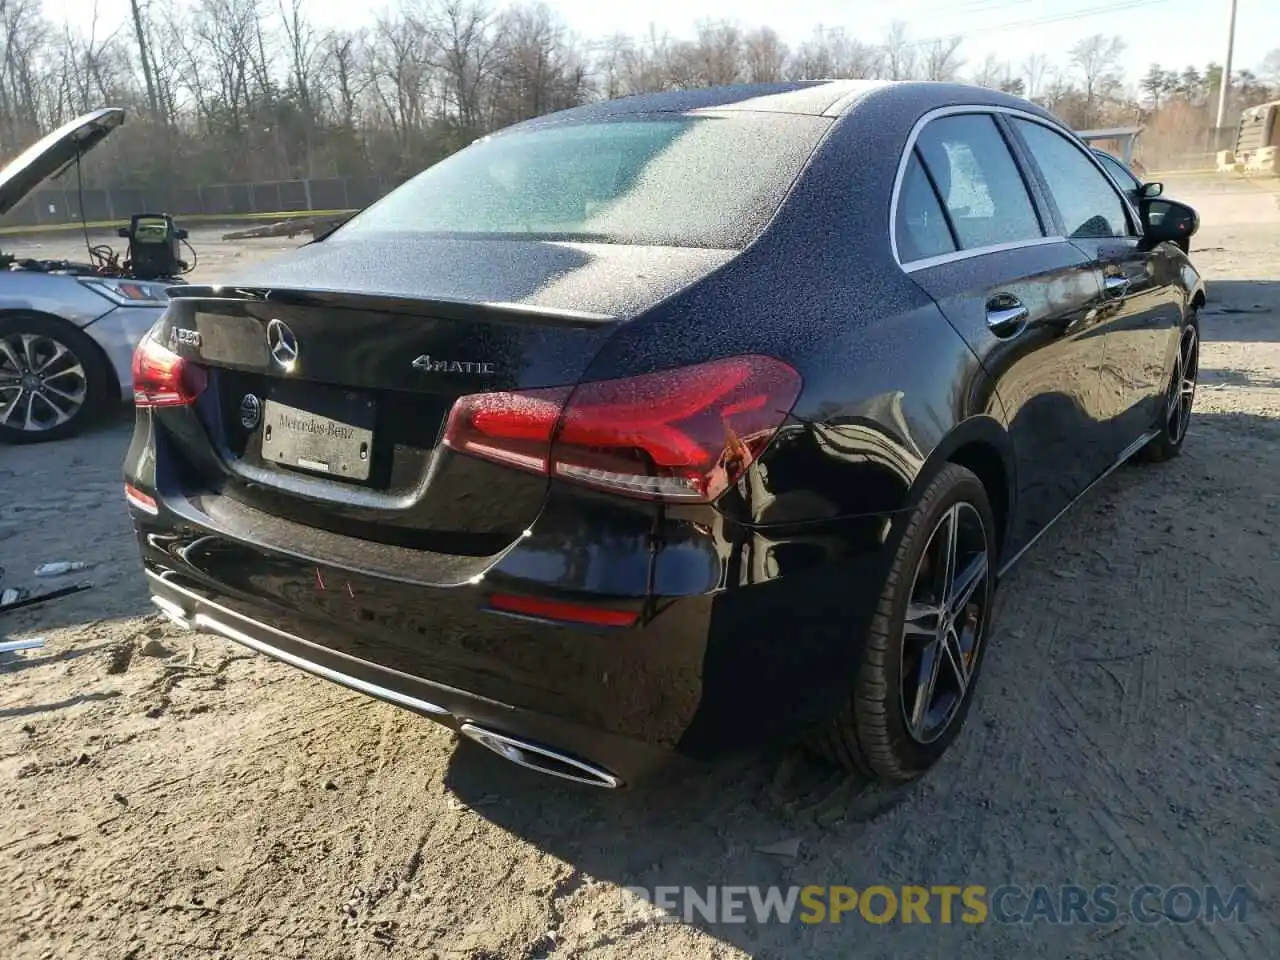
1182, 392
944, 623
42, 382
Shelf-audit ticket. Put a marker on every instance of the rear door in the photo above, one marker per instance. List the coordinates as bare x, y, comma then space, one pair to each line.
1140, 313
969, 231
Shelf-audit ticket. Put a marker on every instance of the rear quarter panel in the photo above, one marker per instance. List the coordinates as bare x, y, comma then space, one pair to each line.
886, 378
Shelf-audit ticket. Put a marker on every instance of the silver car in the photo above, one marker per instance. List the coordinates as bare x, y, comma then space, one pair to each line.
67, 330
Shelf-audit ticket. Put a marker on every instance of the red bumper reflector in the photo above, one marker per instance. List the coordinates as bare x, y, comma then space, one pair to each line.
140, 500
559, 610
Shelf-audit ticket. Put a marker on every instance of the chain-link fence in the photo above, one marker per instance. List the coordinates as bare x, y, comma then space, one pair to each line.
63, 205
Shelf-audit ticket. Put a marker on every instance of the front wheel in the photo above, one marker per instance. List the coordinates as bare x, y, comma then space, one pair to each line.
1178, 399
921, 658
52, 379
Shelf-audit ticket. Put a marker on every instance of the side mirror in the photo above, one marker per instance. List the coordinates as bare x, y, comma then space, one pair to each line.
1168, 220
122, 231
1152, 190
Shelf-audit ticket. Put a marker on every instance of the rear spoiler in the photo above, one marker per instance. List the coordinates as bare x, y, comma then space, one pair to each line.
461, 310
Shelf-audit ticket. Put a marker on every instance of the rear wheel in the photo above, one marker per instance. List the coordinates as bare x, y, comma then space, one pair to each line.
52, 379
927, 638
1179, 399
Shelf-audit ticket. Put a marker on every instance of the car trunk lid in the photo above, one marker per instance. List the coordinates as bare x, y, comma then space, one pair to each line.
325, 407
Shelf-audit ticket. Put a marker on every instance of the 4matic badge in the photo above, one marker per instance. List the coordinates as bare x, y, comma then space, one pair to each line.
428, 364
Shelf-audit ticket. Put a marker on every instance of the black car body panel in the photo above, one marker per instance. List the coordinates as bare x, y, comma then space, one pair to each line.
580, 282
749, 609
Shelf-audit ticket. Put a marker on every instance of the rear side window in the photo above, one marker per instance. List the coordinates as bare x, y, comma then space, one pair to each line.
685, 180
921, 230
1088, 203
978, 181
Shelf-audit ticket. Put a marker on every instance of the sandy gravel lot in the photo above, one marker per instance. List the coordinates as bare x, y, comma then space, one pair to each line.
170, 796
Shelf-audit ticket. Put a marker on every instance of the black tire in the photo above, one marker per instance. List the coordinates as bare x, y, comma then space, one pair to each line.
1174, 424
872, 735
80, 373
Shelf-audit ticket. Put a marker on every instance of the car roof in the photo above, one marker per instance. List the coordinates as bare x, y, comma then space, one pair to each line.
829, 98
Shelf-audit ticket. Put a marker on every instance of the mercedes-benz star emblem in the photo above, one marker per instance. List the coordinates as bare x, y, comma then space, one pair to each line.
250, 411
282, 344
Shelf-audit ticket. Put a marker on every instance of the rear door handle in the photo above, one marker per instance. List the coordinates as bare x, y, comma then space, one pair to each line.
1006, 315
1115, 284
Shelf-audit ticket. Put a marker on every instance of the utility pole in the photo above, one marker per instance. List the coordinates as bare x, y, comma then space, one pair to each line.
1225, 84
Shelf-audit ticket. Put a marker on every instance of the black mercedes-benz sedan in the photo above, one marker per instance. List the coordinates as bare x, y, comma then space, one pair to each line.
670, 425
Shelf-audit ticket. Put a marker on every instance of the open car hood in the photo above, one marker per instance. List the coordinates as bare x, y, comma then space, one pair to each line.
49, 155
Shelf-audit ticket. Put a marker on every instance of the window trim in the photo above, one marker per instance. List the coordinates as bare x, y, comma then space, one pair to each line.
1038, 202
918, 157
1137, 183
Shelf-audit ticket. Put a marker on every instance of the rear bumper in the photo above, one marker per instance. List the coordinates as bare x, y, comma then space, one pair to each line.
628, 760
743, 637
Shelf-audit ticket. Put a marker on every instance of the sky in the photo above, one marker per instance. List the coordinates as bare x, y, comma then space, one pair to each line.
1174, 33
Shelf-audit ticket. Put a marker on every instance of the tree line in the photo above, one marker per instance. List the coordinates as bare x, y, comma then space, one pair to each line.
223, 91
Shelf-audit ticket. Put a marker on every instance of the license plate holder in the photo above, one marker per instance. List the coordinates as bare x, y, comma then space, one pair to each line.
328, 433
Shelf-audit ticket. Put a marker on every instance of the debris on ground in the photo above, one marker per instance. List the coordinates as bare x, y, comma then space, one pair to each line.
287, 228
59, 568
152, 647
31, 643
783, 848
11, 595
21, 597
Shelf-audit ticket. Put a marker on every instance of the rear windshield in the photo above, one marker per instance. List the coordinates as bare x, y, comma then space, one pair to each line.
671, 179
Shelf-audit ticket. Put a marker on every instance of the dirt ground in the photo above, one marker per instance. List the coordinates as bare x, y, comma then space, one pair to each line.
170, 796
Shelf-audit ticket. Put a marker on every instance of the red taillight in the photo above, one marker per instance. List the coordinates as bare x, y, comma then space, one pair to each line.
161, 378
683, 434
559, 610
142, 501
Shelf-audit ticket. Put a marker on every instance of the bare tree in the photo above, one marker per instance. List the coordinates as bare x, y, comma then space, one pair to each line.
1097, 59
764, 55
234, 90
539, 70
400, 73
468, 39
715, 56
833, 54
144, 55
644, 64
991, 72
1034, 69
942, 60
899, 54
1269, 71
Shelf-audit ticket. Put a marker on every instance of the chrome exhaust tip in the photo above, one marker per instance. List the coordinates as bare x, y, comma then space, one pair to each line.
540, 758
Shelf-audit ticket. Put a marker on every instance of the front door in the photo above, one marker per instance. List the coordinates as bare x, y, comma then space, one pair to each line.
1139, 312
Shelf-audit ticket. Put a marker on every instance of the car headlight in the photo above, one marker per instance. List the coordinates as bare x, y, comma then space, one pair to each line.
128, 293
